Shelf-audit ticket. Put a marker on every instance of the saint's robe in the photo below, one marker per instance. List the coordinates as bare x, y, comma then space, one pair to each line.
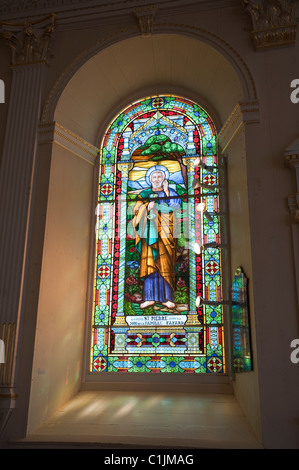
154, 233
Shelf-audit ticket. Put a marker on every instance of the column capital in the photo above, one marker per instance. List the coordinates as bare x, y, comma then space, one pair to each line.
125, 167
273, 22
189, 163
30, 42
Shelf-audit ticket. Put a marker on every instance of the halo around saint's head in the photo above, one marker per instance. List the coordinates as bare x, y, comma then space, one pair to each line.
149, 172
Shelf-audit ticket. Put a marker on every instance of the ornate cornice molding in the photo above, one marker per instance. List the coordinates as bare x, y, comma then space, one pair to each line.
56, 133
37, 7
30, 42
273, 22
243, 113
19, 6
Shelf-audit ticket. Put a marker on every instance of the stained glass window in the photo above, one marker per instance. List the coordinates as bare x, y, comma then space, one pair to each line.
157, 304
242, 359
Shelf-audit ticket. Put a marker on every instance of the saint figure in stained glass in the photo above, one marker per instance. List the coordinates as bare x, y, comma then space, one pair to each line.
153, 223
148, 274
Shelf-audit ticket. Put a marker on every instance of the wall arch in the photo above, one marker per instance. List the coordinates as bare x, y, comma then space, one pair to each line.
158, 90
230, 63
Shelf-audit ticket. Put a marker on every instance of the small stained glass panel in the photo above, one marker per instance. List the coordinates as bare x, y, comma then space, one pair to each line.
242, 359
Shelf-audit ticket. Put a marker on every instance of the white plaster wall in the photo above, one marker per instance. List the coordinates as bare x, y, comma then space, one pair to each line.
62, 302
246, 387
275, 300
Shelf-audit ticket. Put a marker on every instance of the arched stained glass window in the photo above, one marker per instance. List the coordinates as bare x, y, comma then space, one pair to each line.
158, 278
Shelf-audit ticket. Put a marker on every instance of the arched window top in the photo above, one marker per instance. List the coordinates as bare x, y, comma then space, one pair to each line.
169, 115
157, 291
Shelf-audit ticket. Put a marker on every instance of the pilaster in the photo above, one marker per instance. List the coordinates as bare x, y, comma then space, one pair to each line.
30, 46
292, 161
243, 113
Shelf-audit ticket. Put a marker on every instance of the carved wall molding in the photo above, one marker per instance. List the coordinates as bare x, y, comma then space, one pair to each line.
23, 7
243, 113
145, 17
30, 42
58, 134
273, 22
224, 48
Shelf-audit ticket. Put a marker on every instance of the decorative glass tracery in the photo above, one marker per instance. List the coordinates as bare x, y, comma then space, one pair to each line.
158, 277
